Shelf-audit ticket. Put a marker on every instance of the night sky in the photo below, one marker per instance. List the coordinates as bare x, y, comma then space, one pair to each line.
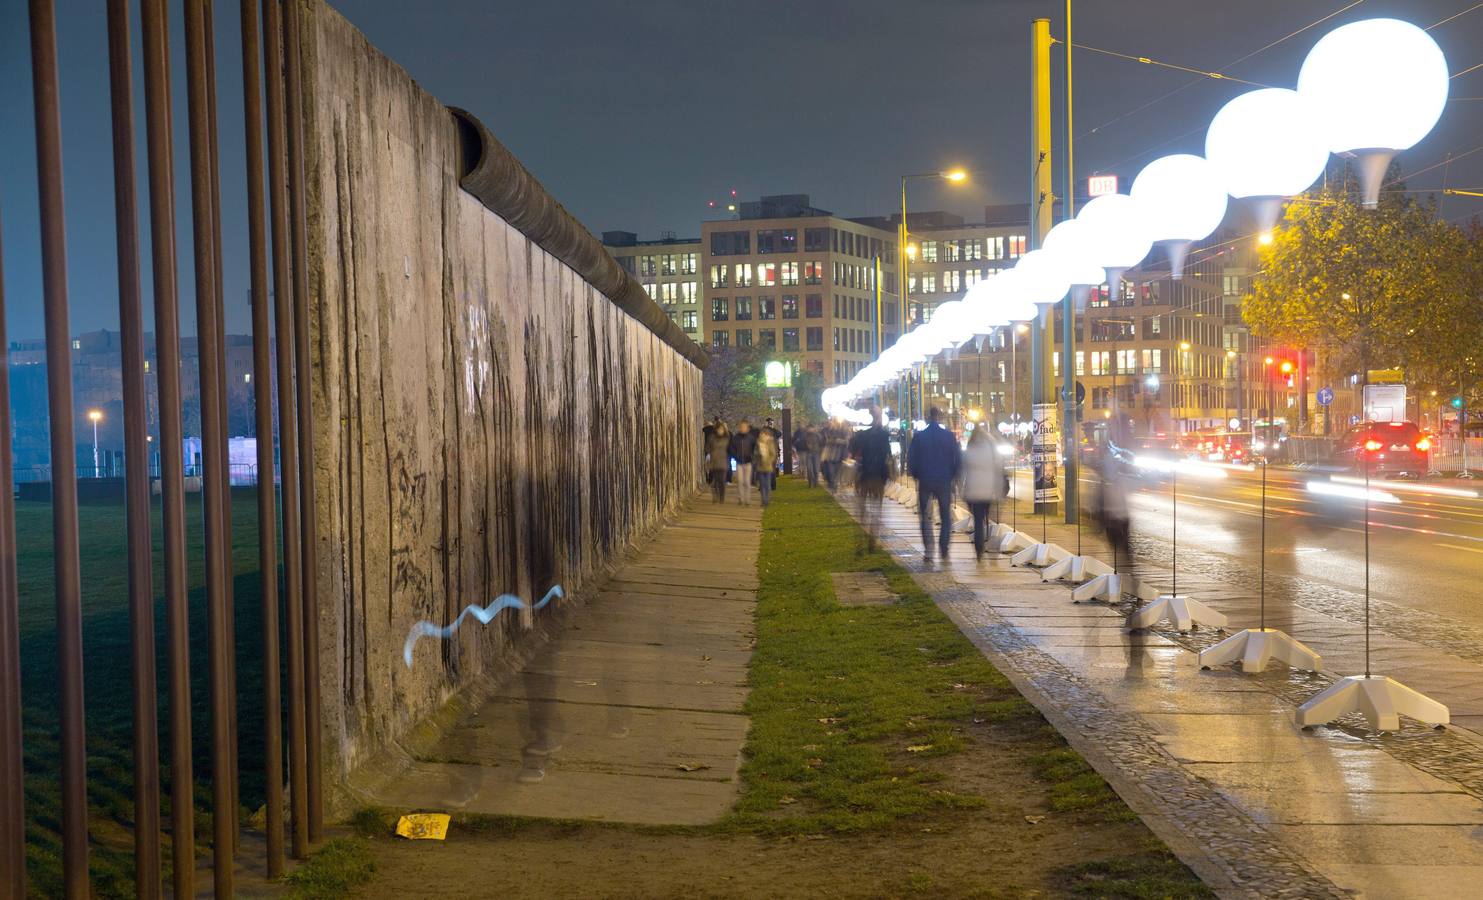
635, 114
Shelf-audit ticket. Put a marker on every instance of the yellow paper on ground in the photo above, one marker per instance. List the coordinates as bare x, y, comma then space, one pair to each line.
423, 827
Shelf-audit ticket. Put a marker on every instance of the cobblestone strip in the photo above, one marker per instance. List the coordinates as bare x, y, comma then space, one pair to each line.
1210, 834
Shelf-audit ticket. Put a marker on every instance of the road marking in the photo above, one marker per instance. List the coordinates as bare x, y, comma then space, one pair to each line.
1456, 547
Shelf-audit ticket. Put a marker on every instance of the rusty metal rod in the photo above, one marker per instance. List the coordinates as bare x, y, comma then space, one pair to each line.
287, 427
63, 448
296, 193
12, 797
229, 618
136, 461
159, 130
262, 392
213, 444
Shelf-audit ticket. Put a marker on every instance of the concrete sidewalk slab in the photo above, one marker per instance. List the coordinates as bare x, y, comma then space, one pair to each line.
633, 711
1213, 760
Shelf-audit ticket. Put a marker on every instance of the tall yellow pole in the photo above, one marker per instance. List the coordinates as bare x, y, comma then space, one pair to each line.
1071, 416
1042, 384
905, 411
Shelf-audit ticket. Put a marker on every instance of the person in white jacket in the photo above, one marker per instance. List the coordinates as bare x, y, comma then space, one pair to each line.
983, 481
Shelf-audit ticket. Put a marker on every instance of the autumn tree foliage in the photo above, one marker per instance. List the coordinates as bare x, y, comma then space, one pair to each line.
1394, 286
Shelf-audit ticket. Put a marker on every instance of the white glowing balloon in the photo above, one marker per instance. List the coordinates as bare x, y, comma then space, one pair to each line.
951, 321
1120, 230
1266, 143
1044, 280
1378, 84
1013, 296
1182, 196
1071, 243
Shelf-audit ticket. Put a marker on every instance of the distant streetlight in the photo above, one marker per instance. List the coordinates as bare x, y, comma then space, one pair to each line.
96, 415
1265, 238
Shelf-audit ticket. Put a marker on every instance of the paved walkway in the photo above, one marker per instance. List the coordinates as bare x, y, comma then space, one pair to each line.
633, 713
1213, 760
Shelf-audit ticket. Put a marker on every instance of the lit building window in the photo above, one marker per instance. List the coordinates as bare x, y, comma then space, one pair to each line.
1016, 243
950, 252
720, 276
669, 292
744, 337
720, 309
973, 249
652, 290
689, 291
667, 264
996, 247
972, 277
813, 272
929, 283
767, 274
743, 275
952, 280
719, 339
689, 263
743, 309
929, 251
647, 266
690, 320
788, 271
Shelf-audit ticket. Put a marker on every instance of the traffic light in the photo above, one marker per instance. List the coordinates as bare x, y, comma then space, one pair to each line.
1457, 403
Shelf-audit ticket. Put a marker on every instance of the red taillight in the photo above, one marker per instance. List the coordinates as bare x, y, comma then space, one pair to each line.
1424, 444
1373, 445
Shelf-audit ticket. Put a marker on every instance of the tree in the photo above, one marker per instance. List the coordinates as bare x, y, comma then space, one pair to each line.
1371, 288
733, 386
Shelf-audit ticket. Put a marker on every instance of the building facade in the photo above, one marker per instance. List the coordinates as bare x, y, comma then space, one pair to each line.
801, 283
669, 270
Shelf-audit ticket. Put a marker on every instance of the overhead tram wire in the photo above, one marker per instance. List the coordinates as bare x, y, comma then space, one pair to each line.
1220, 76
1189, 84
1147, 61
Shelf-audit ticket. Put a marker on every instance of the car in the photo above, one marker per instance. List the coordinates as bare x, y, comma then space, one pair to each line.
1385, 448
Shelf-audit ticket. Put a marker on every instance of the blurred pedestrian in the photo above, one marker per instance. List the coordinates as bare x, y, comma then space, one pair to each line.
836, 444
718, 458
871, 450
743, 451
766, 461
934, 460
807, 442
1112, 508
777, 436
983, 482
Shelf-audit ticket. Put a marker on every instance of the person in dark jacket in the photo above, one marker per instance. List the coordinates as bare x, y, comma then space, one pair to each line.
871, 450
717, 458
743, 449
934, 461
807, 443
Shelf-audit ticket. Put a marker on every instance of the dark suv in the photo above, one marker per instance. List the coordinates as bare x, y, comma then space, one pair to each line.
1389, 448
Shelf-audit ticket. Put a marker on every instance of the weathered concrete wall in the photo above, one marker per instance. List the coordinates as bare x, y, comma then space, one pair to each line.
486, 421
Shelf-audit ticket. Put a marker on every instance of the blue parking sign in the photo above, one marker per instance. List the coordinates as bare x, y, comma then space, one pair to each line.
1325, 396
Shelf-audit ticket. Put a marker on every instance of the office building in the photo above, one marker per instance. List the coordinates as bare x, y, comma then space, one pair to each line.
801, 283
669, 270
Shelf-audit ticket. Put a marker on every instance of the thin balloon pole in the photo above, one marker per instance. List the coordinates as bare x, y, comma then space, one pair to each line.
1262, 581
1367, 565
1174, 485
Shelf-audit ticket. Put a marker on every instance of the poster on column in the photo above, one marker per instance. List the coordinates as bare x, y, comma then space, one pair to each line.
1045, 422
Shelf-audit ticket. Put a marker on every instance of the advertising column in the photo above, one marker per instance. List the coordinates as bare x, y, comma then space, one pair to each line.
1045, 422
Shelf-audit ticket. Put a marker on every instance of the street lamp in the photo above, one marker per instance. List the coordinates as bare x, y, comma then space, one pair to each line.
953, 176
96, 415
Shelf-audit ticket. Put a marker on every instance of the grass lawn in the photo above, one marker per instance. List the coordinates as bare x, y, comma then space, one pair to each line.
886, 757
109, 685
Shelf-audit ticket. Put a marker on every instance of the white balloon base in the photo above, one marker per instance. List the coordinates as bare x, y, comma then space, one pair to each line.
1075, 568
1040, 555
1381, 700
963, 520
1177, 608
1012, 541
1111, 588
893, 490
1255, 647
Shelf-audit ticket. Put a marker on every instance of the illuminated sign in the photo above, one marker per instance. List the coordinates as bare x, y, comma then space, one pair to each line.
778, 374
1097, 185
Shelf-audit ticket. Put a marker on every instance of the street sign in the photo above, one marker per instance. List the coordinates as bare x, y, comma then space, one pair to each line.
1081, 393
1325, 396
1098, 185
